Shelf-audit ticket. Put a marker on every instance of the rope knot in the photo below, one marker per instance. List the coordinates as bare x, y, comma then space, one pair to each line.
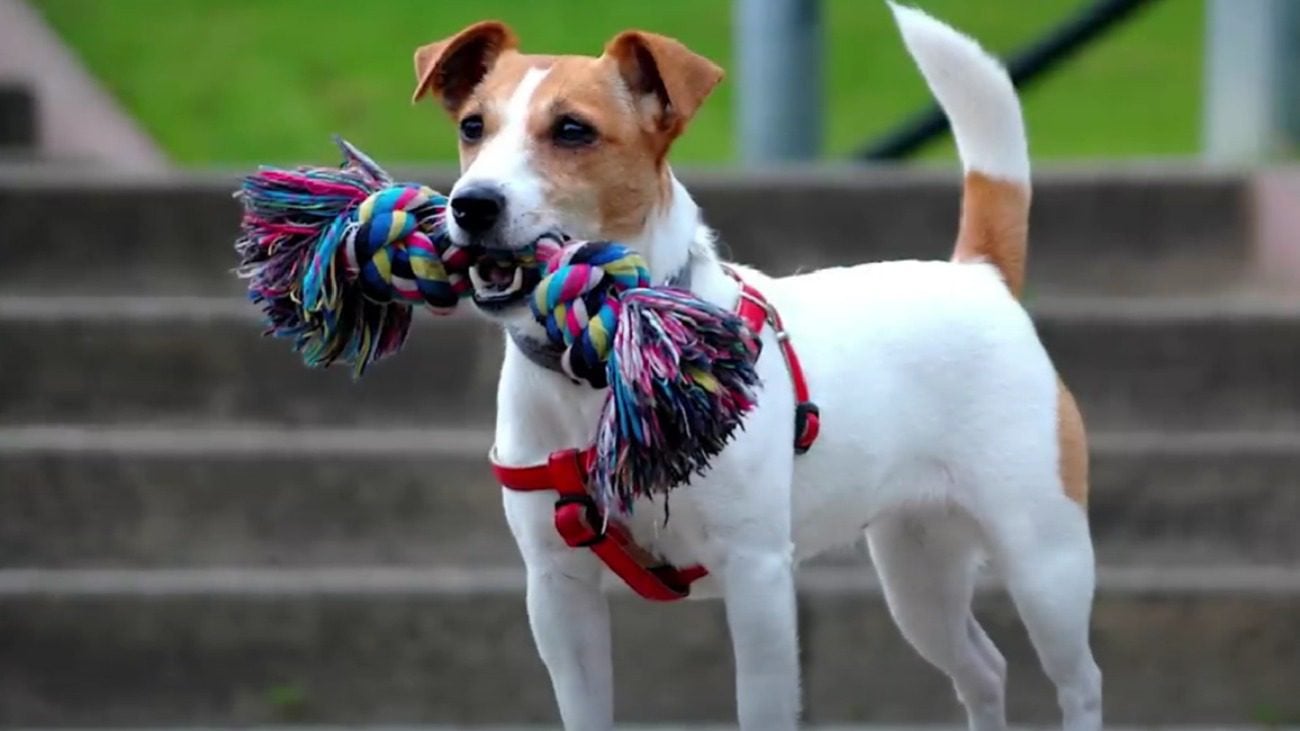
680, 371
578, 304
390, 249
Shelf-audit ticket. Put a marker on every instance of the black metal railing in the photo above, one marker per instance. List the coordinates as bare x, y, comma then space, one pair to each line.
1024, 67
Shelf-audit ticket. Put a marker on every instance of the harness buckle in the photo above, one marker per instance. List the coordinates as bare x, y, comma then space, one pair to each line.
807, 425
578, 521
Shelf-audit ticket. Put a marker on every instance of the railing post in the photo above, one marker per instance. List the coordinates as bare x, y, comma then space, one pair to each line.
1252, 79
779, 54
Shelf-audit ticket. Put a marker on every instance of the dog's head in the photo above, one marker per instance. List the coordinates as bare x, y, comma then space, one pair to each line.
553, 146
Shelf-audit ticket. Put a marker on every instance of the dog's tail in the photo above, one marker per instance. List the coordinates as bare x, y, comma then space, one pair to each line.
975, 92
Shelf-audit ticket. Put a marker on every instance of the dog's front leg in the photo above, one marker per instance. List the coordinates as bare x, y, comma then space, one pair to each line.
748, 515
758, 587
570, 619
568, 613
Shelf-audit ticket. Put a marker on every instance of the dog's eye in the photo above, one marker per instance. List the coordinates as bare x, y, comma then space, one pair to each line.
471, 128
572, 132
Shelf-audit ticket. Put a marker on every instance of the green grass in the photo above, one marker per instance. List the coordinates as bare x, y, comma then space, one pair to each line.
235, 82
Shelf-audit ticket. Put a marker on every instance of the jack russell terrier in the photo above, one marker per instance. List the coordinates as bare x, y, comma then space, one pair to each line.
947, 436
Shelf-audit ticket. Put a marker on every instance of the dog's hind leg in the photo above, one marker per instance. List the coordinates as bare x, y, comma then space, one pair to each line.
1044, 553
927, 559
568, 613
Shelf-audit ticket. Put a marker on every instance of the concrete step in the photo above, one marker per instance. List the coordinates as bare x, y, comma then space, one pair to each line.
241, 495
1171, 364
1141, 230
187, 361
384, 646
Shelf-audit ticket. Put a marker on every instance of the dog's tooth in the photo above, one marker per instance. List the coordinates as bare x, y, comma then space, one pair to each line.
517, 283
474, 278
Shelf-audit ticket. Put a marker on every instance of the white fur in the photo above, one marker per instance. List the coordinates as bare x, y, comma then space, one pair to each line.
938, 440
505, 162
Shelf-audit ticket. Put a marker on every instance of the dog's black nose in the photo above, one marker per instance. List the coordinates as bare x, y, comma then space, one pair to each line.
477, 208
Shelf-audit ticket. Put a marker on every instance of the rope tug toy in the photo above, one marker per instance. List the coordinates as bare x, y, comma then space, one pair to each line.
337, 259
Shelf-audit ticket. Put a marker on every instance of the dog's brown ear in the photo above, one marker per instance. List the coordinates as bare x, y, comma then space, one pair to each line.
661, 68
451, 68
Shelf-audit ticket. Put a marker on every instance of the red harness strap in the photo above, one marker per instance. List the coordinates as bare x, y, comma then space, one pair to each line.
581, 524
756, 311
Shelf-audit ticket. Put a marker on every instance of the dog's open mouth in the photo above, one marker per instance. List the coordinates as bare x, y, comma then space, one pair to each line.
496, 279
505, 277
500, 280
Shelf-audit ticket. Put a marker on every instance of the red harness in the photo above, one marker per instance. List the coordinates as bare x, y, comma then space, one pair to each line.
581, 524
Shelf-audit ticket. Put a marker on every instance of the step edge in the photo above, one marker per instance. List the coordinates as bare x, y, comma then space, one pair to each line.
459, 582
209, 308
475, 439
246, 440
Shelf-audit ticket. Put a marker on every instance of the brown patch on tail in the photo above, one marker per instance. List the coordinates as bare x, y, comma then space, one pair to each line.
1073, 442
995, 226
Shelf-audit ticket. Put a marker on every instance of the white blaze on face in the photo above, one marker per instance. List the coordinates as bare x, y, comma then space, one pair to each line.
504, 163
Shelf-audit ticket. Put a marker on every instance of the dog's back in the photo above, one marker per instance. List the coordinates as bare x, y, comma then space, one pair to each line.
984, 111
947, 432
934, 357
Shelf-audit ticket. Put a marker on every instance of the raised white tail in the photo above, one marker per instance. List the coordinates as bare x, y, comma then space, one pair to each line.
975, 92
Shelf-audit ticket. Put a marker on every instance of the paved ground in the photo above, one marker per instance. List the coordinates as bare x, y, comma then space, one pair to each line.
696, 727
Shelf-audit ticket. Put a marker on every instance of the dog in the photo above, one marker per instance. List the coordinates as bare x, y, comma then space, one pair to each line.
947, 436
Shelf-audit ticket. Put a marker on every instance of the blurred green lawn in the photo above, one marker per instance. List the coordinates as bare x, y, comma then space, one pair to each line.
234, 82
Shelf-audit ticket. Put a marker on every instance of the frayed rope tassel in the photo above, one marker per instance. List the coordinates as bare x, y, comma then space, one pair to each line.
337, 258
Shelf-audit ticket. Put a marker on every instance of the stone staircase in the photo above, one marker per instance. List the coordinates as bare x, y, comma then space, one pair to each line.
197, 530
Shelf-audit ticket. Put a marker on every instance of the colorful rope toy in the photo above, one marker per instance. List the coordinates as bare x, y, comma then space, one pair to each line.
337, 259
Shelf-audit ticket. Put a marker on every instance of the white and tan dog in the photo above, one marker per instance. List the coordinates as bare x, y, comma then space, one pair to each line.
946, 435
